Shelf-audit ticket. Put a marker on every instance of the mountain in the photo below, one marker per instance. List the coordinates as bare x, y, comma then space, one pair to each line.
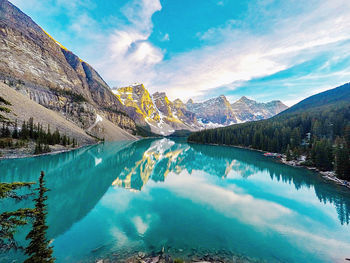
336, 96
213, 111
44, 71
37, 66
250, 110
155, 112
317, 128
162, 116
218, 111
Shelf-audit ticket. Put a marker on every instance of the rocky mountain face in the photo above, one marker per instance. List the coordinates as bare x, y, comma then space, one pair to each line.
156, 111
218, 111
37, 66
34, 64
213, 111
250, 110
163, 116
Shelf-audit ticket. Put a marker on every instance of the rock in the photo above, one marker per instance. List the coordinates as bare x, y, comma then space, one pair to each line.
155, 259
155, 111
49, 74
168, 259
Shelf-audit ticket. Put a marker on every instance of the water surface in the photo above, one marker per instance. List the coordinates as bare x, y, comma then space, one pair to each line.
113, 199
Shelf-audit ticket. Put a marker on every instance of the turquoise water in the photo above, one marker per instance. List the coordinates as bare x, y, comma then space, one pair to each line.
117, 198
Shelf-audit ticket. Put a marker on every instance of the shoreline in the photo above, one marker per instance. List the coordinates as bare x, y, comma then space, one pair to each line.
54, 152
180, 256
328, 175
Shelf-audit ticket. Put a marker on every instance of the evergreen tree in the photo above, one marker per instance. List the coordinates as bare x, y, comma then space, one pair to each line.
342, 161
347, 135
49, 136
31, 127
288, 155
322, 155
24, 134
38, 148
5, 131
15, 134
311, 133
10, 220
64, 140
56, 137
39, 249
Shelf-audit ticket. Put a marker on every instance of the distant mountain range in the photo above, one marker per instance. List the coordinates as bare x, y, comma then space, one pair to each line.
164, 116
38, 68
315, 132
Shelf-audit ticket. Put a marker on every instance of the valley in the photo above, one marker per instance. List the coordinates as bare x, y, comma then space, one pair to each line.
200, 160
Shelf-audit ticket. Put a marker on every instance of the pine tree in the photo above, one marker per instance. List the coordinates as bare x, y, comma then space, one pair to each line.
15, 134
342, 161
24, 134
3, 130
9, 221
347, 135
56, 137
288, 155
31, 127
38, 148
39, 249
64, 140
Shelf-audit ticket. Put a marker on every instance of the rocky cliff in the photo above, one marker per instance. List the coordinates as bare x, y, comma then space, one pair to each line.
217, 111
163, 116
37, 66
156, 111
250, 110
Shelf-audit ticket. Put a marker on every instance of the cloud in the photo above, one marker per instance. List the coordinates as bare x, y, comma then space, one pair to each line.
268, 216
130, 55
243, 55
266, 40
230, 202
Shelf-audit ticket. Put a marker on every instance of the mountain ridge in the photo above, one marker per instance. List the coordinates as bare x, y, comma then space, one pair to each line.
36, 65
336, 95
168, 116
315, 132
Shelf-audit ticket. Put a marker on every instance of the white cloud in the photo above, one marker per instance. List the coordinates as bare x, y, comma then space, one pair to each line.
243, 56
268, 216
232, 54
130, 56
229, 202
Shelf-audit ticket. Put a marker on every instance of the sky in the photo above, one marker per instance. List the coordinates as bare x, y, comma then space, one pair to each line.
263, 49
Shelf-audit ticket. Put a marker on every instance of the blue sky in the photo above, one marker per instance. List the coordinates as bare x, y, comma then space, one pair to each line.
262, 49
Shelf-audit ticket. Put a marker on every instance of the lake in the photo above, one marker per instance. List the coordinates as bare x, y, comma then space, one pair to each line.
115, 199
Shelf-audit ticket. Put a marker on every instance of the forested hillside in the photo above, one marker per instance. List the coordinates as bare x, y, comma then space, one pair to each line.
317, 127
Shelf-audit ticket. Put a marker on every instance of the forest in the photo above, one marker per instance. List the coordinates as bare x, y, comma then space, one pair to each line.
13, 136
321, 134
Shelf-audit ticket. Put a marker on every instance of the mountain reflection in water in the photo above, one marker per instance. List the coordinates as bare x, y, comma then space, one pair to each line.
183, 195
